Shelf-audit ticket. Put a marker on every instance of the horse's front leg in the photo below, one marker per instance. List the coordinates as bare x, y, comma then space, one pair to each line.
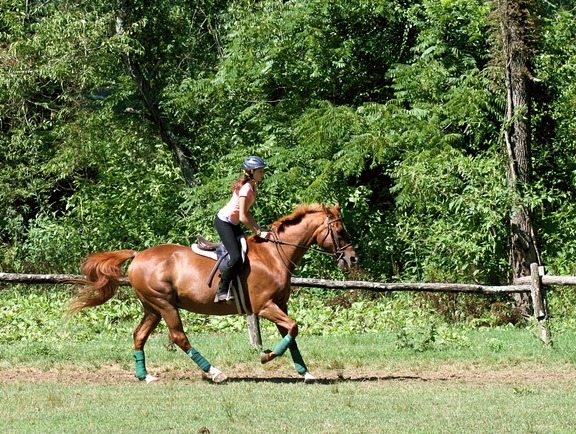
299, 364
289, 330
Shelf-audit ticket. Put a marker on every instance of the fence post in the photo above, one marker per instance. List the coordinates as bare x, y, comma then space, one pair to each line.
254, 330
539, 304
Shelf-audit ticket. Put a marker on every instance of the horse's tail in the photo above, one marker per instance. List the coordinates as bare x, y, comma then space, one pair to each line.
102, 271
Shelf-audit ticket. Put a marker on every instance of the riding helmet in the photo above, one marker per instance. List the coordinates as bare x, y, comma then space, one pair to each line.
253, 162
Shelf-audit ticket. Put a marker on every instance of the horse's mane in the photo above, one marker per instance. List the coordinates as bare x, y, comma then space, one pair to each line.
301, 210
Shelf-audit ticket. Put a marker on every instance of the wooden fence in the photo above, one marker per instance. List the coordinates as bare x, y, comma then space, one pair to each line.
533, 285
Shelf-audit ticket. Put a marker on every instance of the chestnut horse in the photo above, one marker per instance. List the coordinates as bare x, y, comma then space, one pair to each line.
170, 277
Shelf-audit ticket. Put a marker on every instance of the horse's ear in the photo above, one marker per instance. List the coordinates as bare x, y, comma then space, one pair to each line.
337, 208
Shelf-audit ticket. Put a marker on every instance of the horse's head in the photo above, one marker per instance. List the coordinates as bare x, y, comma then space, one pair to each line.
332, 236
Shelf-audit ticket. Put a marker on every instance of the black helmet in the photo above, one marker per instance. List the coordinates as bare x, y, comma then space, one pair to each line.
253, 162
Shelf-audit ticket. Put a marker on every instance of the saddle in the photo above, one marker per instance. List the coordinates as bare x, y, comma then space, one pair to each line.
206, 245
217, 252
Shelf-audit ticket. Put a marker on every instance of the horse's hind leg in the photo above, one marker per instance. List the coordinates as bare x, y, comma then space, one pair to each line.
289, 330
178, 336
146, 326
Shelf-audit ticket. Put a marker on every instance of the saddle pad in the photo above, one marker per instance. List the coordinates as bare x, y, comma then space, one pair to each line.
208, 254
213, 255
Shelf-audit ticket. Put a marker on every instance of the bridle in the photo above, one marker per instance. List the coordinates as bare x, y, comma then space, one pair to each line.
337, 254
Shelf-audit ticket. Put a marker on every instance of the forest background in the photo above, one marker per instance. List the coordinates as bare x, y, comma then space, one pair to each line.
124, 123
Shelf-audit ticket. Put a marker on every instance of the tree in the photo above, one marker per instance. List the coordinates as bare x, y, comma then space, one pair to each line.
161, 37
389, 107
517, 33
81, 170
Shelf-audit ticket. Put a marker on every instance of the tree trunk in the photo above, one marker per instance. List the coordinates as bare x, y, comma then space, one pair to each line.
516, 31
179, 152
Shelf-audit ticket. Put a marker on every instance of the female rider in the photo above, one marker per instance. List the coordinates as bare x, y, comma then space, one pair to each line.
226, 222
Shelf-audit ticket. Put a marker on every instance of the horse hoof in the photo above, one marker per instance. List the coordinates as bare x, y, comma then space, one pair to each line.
219, 378
265, 356
309, 378
150, 379
217, 375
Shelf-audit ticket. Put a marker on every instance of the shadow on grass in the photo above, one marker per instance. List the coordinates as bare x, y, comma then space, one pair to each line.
325, 381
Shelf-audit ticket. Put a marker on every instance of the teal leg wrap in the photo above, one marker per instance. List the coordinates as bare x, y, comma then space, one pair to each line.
298, 360
199, 359
283, 345
140, 360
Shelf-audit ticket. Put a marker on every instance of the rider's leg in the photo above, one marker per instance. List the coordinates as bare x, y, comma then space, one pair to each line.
229, 234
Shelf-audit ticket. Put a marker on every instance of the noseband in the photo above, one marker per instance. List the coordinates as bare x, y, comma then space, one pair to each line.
338, 252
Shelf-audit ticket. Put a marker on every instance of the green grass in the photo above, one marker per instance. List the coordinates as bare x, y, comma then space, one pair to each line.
382, 366
491, 381
259, 407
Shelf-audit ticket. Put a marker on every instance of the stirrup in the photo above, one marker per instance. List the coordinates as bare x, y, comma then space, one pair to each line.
223, 296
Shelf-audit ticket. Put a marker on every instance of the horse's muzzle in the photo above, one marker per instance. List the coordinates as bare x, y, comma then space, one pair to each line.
348, 259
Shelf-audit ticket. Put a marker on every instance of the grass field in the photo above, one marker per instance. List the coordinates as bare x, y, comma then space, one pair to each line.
485, 381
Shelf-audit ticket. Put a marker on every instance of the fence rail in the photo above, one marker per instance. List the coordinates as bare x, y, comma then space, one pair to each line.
519, 287
549, 280
422, 287
533, 285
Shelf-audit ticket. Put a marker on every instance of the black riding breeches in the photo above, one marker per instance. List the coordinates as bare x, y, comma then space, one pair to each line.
229, 234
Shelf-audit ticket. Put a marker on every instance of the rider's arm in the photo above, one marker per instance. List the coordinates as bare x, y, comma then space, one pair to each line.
246, 216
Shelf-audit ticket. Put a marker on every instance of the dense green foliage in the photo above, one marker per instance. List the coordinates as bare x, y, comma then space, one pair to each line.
39, 314
393, 108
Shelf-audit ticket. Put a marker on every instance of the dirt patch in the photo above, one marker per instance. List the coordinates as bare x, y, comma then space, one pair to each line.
113, 373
